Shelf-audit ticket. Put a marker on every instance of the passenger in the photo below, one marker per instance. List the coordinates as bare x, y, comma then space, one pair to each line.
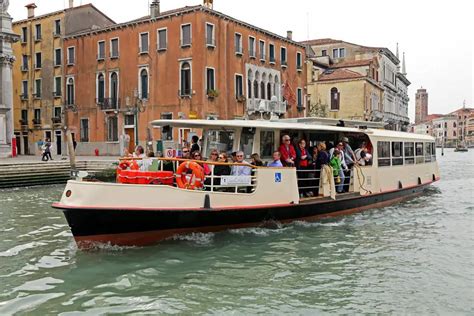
139, 152
314, 156
221, 170
302, 163
145, 163
159, 154
276, 160
362, 156
197, 156
126, 153
185, 153
287, 151
321, 160
256, 161
194, 143
213, 158
349, 156
241, 170
337, 171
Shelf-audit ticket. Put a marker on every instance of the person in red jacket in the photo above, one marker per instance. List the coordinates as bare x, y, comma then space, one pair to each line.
288, 153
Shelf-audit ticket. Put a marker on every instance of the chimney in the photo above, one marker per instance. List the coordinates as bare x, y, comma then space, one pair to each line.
155, 9
31, 10
71, 4
289, 35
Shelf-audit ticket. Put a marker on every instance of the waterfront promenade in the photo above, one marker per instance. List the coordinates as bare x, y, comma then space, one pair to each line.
30, 170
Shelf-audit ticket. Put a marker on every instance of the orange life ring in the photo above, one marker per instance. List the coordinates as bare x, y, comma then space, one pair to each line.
128, 164
196, 179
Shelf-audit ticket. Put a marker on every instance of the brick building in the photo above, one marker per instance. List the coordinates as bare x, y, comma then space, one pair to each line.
421, 105
38, 72
191, 62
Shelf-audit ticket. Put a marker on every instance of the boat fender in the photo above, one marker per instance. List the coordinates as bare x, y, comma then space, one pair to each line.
207, 202
195, 181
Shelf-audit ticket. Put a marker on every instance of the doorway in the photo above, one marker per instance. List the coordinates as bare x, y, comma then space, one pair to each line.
26, 150
18, 143
130, 131
58, 135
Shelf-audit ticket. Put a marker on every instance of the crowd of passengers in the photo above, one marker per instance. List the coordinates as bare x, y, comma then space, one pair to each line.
308, 162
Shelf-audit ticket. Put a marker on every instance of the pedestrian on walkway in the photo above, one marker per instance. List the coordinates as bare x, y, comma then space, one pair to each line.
46, 150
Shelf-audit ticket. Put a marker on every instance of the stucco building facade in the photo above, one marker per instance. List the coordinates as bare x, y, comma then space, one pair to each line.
191, 62
38, 74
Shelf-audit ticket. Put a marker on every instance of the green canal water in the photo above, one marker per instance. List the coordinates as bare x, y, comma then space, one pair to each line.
416, 257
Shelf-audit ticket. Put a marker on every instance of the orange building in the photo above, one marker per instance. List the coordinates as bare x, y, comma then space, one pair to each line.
191, 62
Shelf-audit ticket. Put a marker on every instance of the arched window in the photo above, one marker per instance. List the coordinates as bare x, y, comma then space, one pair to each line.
249, 85
144, 84
335, 99
262, 90
100, 89
269, 91
114, 90
185, 79
70, 91
276, 88
255, 89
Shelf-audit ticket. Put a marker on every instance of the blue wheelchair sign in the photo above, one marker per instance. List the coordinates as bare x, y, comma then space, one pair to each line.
277, 177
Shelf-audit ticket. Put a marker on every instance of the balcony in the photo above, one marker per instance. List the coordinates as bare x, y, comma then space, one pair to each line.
108, 104
24, 97
57, 94
24, 68
36, 121
56, 120
24, 123
266, 106
37, 96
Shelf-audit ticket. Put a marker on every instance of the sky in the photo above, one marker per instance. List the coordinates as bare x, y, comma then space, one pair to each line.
433, 34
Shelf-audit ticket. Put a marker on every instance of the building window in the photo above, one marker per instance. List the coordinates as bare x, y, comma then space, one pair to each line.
84, 130
57, 87
210, 38
100, 88
162, 39
397, 154
24, 90
24, 62
255, 89
112, 129
252, 46
269, 91
114, 90
24, 117
38, 60
186, 35
144, 84
70, 91
249, 88
185, 88
262, 90
37, 93
239, 88
271, 48
166, 131
57, 112
37, 117
261, 45
24, 35
324, 52
57, 27
143, 43
71, 58
283, 59
383, 152
335, 99
342, 52
57, 57
335, 53
210, 80
299, 97
101, 50
38, 32
238, 43
114, 48
299, 61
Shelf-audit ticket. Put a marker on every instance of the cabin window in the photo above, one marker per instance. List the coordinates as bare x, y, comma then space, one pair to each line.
383, 152
419, 152
246, 141
166, 131
427, 152
433, 152
397, 155
267, 143
409, 153
220, 140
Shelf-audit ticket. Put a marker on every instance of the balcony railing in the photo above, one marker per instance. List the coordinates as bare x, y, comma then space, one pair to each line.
108, 104
259, 105
36, 121
24, 68
57, 94
56, 120
23, 122
24, 96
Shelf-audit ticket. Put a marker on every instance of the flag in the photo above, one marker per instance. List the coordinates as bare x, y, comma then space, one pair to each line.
289, 94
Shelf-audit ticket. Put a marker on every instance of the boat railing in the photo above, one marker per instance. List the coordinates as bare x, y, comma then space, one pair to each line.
309, 180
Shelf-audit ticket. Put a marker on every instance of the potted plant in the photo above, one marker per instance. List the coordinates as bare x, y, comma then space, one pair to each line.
212, 93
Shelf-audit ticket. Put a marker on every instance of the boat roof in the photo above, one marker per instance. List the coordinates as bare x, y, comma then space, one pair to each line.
282, 125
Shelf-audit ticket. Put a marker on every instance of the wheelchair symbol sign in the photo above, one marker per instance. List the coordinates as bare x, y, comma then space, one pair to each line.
277, 177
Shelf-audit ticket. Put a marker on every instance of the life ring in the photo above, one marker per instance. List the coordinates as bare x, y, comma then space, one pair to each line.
196, 179
128, 164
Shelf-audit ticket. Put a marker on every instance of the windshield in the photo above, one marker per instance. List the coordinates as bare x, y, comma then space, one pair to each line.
220, 140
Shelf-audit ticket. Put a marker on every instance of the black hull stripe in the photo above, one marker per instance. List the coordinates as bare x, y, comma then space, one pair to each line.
93, 222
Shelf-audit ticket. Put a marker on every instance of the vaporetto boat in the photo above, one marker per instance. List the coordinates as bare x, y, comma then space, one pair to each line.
143, 208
